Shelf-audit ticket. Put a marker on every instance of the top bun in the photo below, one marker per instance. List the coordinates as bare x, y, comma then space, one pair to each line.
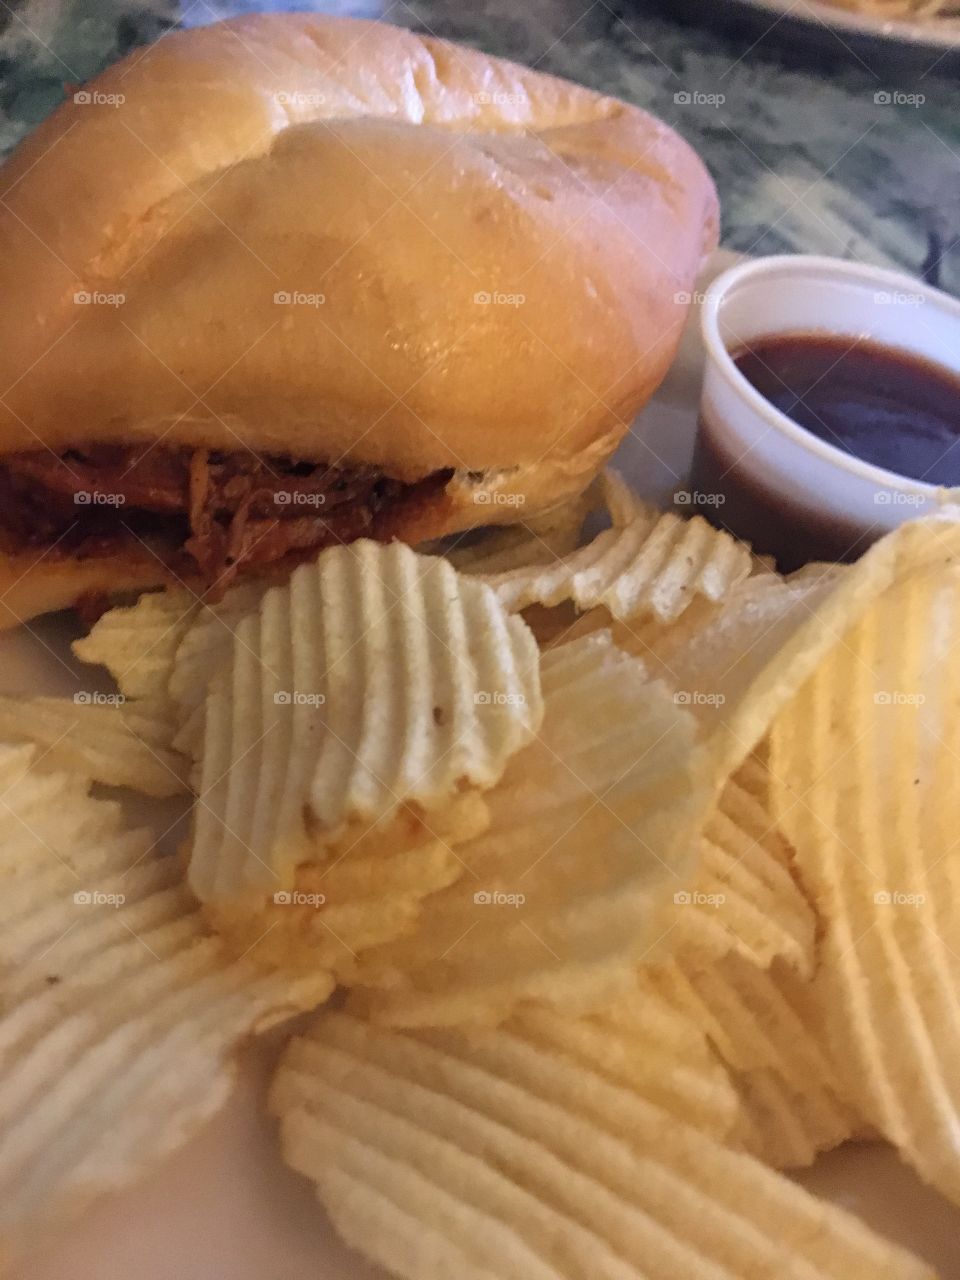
345, 242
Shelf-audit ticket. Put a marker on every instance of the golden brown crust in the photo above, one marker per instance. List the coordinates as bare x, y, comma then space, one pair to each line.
397, 176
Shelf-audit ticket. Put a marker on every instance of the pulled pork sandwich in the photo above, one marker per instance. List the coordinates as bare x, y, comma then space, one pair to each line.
288, 281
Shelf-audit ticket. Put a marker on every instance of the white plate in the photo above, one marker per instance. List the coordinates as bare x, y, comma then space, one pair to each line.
937, 32
225, 1208
813, 30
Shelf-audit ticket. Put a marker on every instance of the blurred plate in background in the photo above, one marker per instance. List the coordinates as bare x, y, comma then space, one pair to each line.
811, 28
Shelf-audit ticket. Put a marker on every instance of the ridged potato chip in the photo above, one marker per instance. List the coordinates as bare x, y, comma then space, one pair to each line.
136, 643
657, 565
492, 1155
375, 680
119, 1012
117, 745
864, 779
645, 1042
592, 826
744, 898
793, 1104
369, 892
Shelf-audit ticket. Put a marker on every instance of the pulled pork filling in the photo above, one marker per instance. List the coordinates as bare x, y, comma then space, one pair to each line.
204, 513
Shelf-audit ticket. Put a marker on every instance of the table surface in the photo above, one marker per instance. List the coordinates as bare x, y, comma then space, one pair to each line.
805, 156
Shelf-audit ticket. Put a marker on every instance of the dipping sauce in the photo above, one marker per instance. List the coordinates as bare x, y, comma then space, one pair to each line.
789, 528
885, 406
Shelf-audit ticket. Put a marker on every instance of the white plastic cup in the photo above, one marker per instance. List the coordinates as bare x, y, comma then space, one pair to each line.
761, 474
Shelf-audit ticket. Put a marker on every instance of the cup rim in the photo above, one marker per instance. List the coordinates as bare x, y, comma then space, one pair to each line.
781, 265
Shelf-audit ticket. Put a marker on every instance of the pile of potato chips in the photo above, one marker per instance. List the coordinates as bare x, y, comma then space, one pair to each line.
632, 863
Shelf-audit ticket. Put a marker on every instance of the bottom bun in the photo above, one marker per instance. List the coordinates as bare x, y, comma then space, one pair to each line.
31, 584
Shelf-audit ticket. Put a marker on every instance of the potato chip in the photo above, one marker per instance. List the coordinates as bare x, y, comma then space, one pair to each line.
655, 565
136, 643
592, 826
864, 779
761, 1024
712, 654
114, 744
646, 1043
786, 1128
119, 1013
366, 894
491, 1155
744, 898
375, 679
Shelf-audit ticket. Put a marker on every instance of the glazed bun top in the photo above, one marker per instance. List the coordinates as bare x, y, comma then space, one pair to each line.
339, 240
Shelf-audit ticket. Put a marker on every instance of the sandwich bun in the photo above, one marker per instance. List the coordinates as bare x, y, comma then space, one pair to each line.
340, 241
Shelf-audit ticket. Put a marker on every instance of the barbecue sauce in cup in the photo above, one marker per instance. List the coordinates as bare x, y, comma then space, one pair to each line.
888, 407
891, 408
